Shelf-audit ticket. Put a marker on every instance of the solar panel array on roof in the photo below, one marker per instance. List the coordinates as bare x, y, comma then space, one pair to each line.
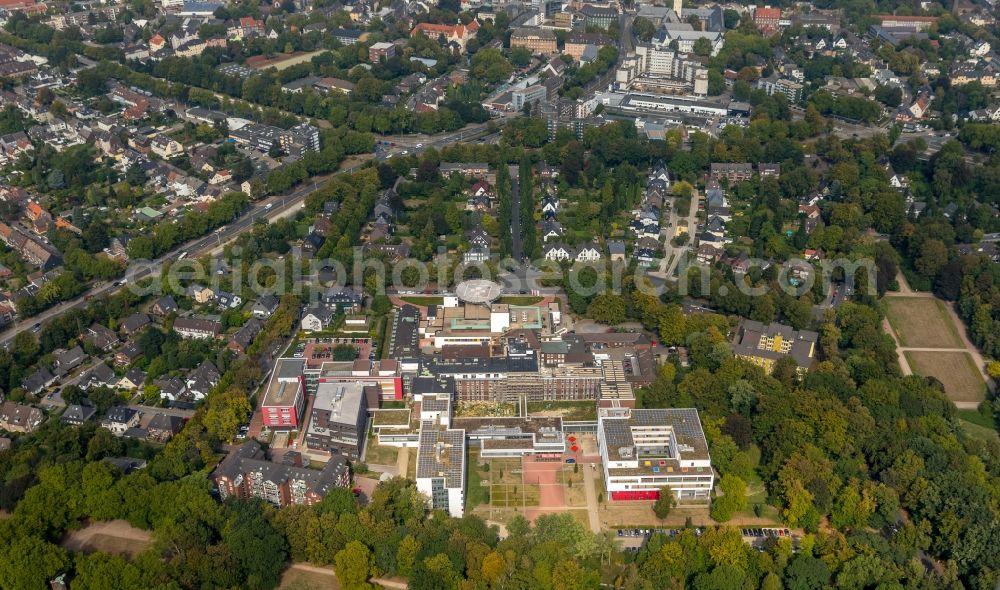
441, 454
683, 422
436, 404
493, 364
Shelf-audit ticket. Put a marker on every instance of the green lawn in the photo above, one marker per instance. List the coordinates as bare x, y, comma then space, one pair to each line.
524, 300
378, 331
757, 495
979, 432
378, 454
423, 300
477, 493
954, 369
922, 323
976, 418
514, 496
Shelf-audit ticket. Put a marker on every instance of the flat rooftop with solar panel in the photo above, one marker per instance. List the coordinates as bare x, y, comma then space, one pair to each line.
644, 451
441, 467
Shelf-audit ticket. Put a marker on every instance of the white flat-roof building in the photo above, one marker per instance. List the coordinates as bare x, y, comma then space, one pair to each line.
644, 451
441, 467
647, 103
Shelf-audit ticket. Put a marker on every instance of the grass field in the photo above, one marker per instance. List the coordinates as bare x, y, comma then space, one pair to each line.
979, 432
423, 300
573, 487
484, 408
477, 493
287, 60
922, 323
520, 300
955, 370
380, 455
505, 471
299, 579
510, 496
976, 418
114, 536
757, 495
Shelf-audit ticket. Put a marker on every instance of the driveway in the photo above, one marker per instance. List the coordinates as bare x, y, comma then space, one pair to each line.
589, 474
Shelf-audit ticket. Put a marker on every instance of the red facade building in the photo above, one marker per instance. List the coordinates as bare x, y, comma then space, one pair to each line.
767, 19
285, 398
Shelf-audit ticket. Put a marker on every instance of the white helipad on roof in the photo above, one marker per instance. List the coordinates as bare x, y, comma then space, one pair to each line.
477, 291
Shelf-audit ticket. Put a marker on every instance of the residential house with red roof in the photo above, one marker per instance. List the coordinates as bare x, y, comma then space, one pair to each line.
457, 35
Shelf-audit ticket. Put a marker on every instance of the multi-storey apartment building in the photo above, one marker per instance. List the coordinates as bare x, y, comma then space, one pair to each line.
599, 16
511, 378
576, 43
764, 344
732, 172
531, 95
381, 50
32, 249
296, 141
285, 397
246, 473
339, 418
917, 23
15, 417
537, 40
441, 467
767, 19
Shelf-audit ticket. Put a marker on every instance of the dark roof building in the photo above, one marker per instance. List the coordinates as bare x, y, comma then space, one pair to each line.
404, 339
164, 305
77, 414
68, 360
100, 375
38, 381
241, 340
163, 427
101, 337
764, 344
135, 322
199, 328
246, 473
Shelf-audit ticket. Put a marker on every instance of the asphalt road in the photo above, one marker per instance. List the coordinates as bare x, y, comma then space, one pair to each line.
516, 248
407, 144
